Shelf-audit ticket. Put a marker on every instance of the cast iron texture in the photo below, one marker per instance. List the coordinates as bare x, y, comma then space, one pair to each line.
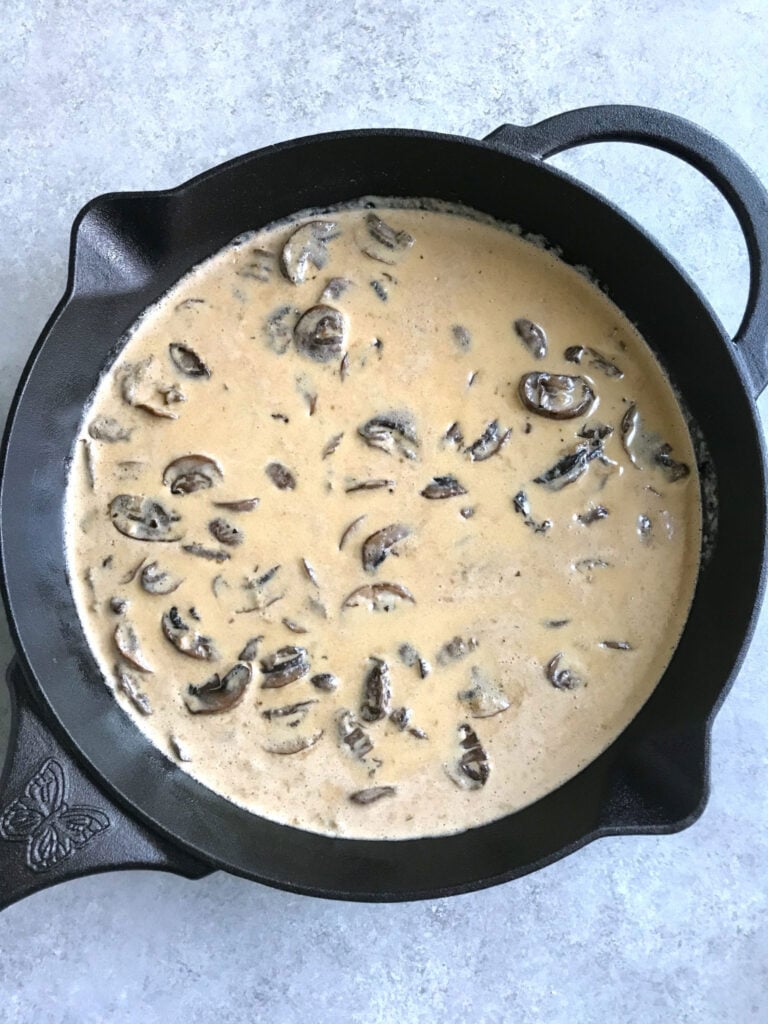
128, 249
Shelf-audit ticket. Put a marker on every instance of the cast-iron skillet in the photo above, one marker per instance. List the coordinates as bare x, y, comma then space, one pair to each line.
85, 791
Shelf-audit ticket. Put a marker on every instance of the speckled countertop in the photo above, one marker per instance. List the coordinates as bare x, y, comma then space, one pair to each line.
107, 96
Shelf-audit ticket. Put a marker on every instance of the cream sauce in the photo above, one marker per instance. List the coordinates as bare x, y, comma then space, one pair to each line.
488, 578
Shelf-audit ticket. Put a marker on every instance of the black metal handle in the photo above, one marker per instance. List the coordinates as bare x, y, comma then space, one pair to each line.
736, 182
55, 824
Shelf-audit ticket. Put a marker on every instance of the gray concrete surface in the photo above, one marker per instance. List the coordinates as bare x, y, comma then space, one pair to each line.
141, 95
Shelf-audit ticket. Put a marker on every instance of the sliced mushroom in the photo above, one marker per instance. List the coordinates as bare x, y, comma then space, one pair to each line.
596, 359
443, 487
187, 361
281, 476
372, 794
334, 289
144, 518
377, 692
251, 650
190, 473
473, 769
454, 435
293, 744
616, 645
376, 484
186, 640
219, 693
379, 596
522, 506
240, 505
132, 380
593, 515
533, 336
209, 554
352, 735
106, 428
331, 445
321, 333
155, 580
411, 658
556, 396
260, 266
382, 242
325, 681
561, 678
289, 714
391, 432
284, 666
456, 649
401, 717
349, 530
491, 441
127, 642
118, 605
129, 686
306, 248
673, 470
294, 627
278, 328
179, 749
570, 467
483, 698
225, 532
383, 543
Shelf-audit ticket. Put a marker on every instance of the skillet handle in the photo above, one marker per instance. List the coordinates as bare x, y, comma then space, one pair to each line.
55, 824
738, 185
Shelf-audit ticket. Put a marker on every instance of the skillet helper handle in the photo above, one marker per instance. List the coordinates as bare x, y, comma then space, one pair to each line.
737, 183
55, 824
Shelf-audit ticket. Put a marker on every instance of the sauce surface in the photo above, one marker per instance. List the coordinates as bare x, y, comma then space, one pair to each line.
504, 538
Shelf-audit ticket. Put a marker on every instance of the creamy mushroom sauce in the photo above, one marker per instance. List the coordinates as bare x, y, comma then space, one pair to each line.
470, 629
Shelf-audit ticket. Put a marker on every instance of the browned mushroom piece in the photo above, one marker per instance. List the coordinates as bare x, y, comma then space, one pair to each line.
185, 639
155, 580
490, 442
226, 532
284, 666
281, 476
107, 428
571, 466
562, 678
392, 432
379, 597
472, 769
190, 473
556, 396
130, 687
321, 333
443, 487
325, 681
289, 714
351, 734
292, 744
239, 505
455, 649
187, 361
127, 643
377, 692
383, 543
305, 249
483, 698
371, 795
382, 242
144, 518
595, 358
219, 693
260, 266
533, 336
251, 650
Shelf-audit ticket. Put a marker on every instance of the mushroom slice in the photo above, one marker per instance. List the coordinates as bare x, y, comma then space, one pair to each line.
412, 659
473, 768
297, 711
130, 687
286, 665
325, 681
106, 428
401, 717
483, 698
191, 473
155, 580
321, 333
281, 476
491, 441
533, 336
278, 328
143, 518
522, 506
225, 532
132, 379
251, 649
187, 361
379, 596
456, 649
377, 692
352, 735
292, 745
382, 242
570, 467
186, 640
259, 267
383, 543
218, 693
307, 248
561, 678
575, 354
443, 487
335, 289
127, 642
241, 505
556, 396
372, 794
391, 432
209, 554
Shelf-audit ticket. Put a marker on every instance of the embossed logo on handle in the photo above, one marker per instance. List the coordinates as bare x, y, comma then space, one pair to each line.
42, 819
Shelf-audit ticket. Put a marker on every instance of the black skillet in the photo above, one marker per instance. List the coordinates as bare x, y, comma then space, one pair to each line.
84, 791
